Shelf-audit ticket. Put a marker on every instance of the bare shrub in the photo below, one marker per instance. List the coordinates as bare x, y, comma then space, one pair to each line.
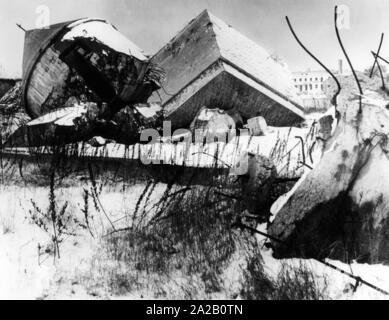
299, 283
187, 246
55, 220
8, 222
257, 285
191, 234
291, 283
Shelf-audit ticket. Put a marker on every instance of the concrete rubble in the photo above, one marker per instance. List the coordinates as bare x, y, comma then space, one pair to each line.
12, 114
91, 64
256, 185
209, 124
209, 63
82, 68
340, 208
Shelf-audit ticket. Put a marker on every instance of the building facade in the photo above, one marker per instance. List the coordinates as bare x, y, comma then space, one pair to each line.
309, 86
310, 82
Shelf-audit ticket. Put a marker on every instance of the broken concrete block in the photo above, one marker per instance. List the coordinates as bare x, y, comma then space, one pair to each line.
325, 126
341, 208
212, 125
81, 123
88, 59
208, 63
46, 130
257, 174
98, 142
257, 126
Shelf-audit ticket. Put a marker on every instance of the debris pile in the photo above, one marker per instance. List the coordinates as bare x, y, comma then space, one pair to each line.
215, 123
77, 82
256, 184
6, 85
83, 79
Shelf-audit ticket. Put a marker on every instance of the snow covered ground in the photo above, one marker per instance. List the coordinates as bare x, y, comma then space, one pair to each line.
25, 274
29, 273
339, 286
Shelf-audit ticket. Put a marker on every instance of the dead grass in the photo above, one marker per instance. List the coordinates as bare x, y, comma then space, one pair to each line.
299, 283
192, 236
190, 251
291, 283
182, 250
185, 247
7, 222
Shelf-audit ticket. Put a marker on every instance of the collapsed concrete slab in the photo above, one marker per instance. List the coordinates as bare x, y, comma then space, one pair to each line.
210, 64
87, 59
78, 63
207, 64
80, 123
340, 209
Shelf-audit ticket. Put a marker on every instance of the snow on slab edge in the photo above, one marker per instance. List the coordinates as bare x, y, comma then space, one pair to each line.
150, 110
251, 57
61, 117
106, 34
265, 91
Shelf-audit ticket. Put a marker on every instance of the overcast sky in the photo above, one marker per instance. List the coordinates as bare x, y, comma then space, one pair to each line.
151, 23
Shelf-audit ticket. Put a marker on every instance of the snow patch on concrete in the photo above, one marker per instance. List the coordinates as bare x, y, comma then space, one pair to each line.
105, 33
249, 56
61, 117
150, 110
